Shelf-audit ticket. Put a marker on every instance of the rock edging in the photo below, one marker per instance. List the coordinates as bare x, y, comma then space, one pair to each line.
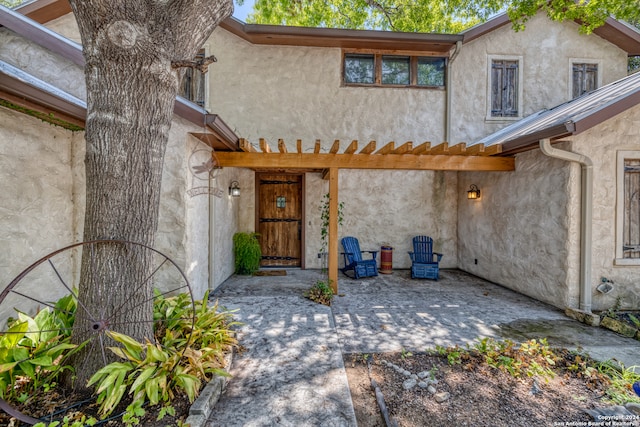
201, 409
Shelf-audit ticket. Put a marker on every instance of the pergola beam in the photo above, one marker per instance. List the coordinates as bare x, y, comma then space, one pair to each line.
322, 161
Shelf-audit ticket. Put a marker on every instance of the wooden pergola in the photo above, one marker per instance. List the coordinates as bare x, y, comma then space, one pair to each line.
443, 157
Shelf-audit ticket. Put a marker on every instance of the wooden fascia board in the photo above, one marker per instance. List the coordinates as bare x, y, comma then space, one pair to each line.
613, 31
484, 28
365, 161
45, 10
341, 38
621, 35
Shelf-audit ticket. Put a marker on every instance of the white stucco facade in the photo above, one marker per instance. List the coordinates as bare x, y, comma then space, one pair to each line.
546, 51
524, 232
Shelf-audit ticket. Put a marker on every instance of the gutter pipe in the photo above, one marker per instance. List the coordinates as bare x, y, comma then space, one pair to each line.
447, 118
586, 216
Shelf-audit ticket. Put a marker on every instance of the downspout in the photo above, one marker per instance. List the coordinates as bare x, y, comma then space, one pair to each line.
211, 237
447, 117
586, 215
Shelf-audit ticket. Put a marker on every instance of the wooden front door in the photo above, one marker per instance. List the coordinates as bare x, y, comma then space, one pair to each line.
280, 217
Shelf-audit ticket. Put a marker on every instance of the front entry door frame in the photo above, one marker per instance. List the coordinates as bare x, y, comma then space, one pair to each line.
258, 194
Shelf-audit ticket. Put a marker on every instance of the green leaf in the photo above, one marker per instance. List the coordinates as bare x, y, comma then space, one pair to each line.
133, 346
15, 333
4, 367
28, 369
155, 354
43, 361
142, 378
151, 388
58, 349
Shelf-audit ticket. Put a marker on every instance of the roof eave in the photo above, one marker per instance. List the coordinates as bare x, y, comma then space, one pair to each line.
530, 141
342, 38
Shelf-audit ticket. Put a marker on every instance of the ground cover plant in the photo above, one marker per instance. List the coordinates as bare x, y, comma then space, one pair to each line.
320, 292
151, 382
497, 383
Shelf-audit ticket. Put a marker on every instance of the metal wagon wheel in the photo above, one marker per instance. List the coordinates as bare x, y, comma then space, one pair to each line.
52, 278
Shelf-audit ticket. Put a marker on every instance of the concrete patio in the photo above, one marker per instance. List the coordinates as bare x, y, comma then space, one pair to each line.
292, 372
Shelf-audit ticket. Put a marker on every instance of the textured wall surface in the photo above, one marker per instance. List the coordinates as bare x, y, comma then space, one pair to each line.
547, 49
41, 63
66, 26
294, 92
601, 144
183, 232
523, 232
518, 231
36, 204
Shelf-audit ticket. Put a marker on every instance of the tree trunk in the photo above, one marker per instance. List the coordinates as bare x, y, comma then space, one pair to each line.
131, 89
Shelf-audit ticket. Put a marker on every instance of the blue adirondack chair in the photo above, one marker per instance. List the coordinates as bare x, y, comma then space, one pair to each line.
353, 259
424, 262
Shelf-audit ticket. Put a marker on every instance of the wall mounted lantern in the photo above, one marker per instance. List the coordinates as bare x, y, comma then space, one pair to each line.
473, 193
234, 189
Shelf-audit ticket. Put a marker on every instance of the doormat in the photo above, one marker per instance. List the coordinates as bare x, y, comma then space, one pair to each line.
271, 273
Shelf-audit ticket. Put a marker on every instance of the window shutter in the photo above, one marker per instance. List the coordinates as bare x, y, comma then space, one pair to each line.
585, 78
497, 71
631, 230
504, 88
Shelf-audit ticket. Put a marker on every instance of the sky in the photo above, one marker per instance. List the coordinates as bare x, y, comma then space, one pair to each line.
241, 12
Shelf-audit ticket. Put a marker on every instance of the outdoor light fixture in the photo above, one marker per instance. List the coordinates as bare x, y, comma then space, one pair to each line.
234, 189
474, 192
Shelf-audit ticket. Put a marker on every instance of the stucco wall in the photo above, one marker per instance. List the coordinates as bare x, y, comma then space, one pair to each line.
184, 222
66, 26
36, 204
601, 144
41, 63
296, 93
522, 231
547, 49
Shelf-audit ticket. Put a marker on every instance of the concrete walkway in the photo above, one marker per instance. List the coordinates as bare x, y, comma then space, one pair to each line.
291, 371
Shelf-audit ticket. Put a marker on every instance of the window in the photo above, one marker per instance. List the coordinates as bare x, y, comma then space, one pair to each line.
192, 86
359, 69
430, 71
628, 209
394, 70
505, 88
584, 78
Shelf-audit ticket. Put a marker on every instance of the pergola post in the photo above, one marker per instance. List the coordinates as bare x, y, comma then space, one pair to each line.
333, 229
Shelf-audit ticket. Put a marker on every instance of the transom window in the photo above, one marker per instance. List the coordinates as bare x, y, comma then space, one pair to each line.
394, 70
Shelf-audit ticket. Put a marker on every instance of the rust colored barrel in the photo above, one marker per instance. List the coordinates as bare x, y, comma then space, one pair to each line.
386, 259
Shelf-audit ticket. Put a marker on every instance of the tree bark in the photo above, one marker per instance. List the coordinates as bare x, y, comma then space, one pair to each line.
131, 89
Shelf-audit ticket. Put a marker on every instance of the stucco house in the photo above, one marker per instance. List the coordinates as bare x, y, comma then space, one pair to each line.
283, 109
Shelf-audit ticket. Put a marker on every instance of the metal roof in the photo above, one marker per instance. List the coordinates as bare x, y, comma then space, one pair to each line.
570, 118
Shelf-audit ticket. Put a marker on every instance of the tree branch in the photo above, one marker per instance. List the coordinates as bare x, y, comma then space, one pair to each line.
202, 16
387, 12
202, 65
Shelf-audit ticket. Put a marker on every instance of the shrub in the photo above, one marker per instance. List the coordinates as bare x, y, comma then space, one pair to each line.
179, 362
246, 249
321, 293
